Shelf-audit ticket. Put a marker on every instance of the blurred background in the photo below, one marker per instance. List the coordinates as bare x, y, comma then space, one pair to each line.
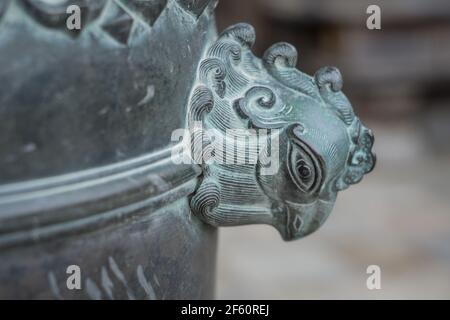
398, 217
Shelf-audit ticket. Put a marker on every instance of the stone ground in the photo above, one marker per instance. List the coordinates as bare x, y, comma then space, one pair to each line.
398, 218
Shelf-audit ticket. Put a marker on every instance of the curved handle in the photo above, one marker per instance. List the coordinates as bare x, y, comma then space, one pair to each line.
274, 144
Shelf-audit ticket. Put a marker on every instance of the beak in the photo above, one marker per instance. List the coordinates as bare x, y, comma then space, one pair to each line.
304, 219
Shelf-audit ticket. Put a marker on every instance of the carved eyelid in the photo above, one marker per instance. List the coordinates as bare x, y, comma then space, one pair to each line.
311, 158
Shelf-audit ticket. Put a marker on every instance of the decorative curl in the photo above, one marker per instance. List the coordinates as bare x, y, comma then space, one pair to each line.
281, 51
202, 102
260, 106
329, 76
213, 70
259, 97
242, 33
206, 199
361, 160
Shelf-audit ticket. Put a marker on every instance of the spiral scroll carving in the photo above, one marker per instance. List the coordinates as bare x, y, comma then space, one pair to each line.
206, 199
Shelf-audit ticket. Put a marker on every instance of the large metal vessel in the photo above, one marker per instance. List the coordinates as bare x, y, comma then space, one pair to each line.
89, 180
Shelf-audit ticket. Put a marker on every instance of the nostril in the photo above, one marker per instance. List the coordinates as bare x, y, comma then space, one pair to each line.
366, 140
360, 158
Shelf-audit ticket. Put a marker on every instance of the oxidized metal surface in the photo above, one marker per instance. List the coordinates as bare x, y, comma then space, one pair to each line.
127, 226
114, 90
322, 147
86, 176
164, 255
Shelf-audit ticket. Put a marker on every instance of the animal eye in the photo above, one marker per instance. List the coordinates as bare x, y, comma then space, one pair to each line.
304, 168
304, 171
